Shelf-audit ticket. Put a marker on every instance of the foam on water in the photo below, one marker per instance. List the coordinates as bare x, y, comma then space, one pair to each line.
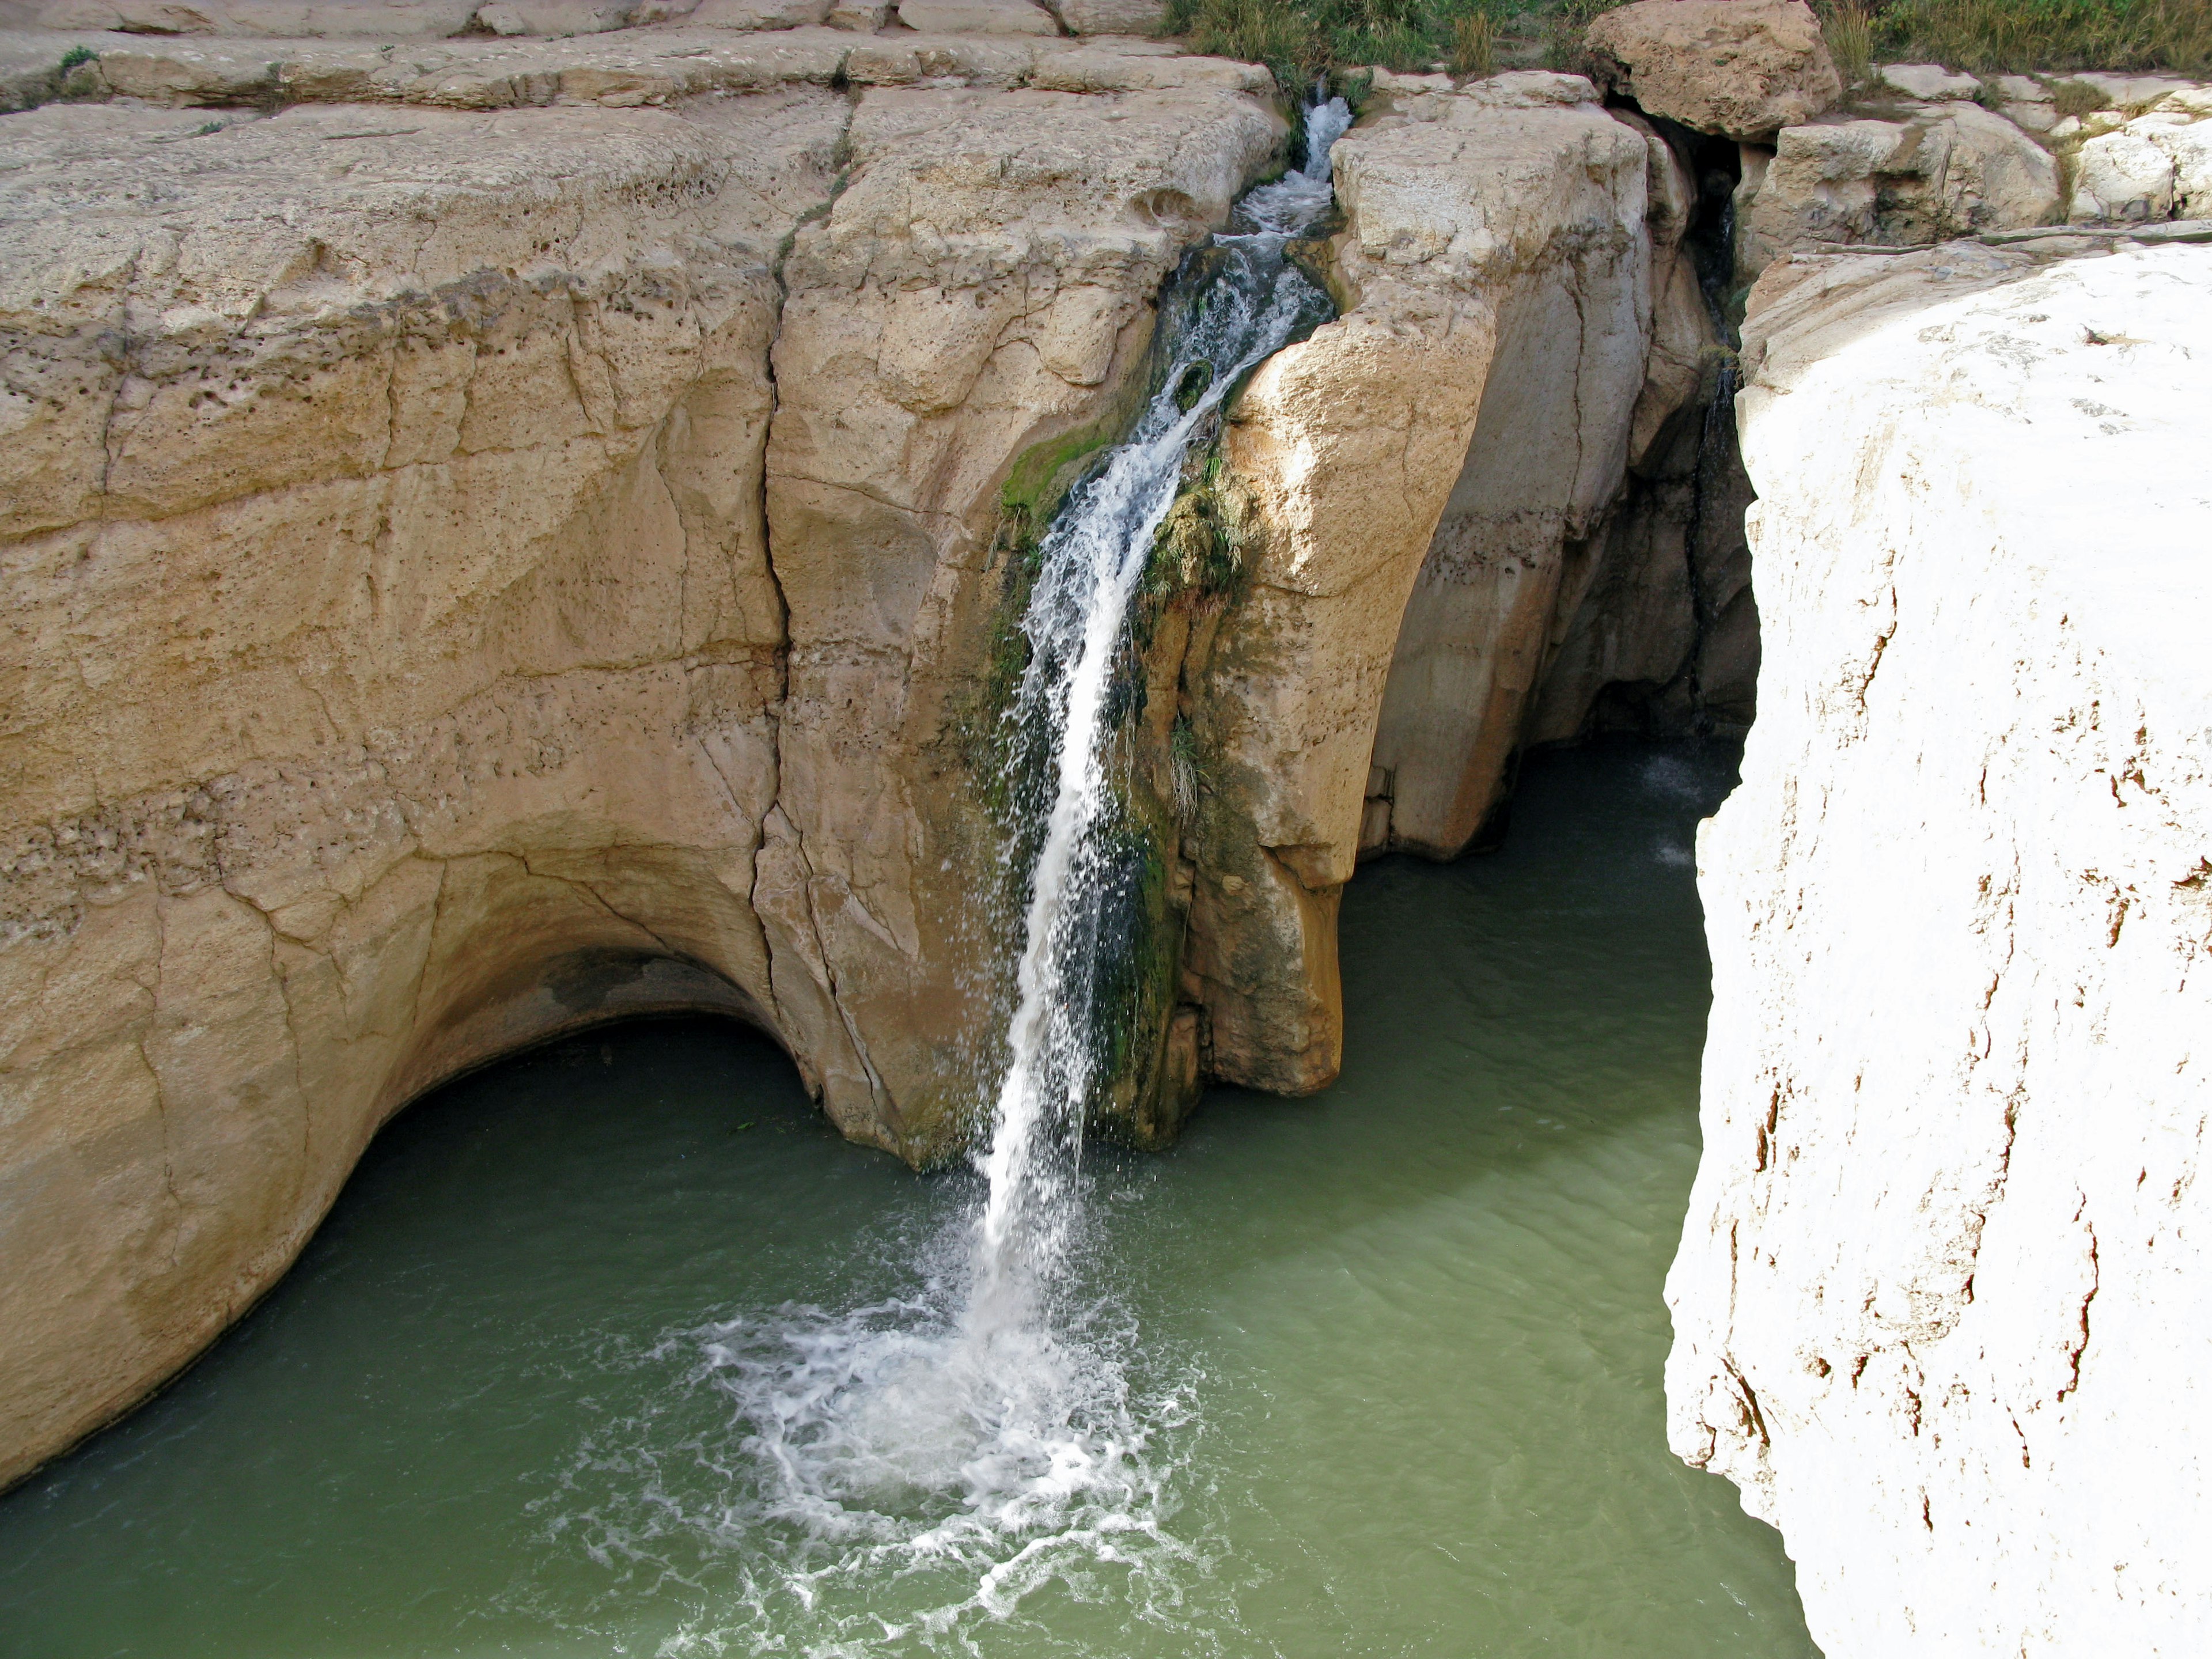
997, 1422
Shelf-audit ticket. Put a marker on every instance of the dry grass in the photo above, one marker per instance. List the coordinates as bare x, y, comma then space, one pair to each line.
1848, 28
2075, 98
1474, 44
1312, 37
1301, 39
1989, 36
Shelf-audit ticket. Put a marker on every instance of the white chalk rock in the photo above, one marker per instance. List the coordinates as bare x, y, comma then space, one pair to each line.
2122, 175
1929, 81
1943, 1307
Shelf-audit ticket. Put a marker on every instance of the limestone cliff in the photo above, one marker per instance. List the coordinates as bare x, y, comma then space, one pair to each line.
1943, 1307
403, 665
527, 532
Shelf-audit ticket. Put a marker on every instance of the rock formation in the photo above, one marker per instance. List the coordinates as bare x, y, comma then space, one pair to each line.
1954, 170
1943, 1304
504, 529
527, 532
404, 664
1743, 69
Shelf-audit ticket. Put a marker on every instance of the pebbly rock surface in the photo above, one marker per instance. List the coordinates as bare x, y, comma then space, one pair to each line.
1943, 1306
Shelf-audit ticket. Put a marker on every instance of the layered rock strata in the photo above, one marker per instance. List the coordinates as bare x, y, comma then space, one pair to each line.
403, 665
1431, 475
1943, 1304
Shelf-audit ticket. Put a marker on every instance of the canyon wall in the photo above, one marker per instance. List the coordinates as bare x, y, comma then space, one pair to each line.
503, 534
403, 663
1943, 1306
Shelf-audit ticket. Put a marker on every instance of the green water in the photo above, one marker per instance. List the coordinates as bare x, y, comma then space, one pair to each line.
1392, 1352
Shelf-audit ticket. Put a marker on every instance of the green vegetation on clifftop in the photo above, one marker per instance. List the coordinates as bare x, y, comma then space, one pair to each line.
1299, 39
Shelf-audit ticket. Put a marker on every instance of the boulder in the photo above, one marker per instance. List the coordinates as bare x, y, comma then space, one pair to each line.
976, 18
2189, 146
2158, 165
1943, 1309
756, 14
2121, 176
401, 19
552, 17
1114, 16
1744, 69
2025, 102
1930, 82
2134, 93
1895, 184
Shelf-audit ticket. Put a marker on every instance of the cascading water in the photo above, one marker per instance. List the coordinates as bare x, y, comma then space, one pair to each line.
987, 1425
1089, 562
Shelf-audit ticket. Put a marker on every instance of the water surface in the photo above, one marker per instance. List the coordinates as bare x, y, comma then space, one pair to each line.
1393, 1353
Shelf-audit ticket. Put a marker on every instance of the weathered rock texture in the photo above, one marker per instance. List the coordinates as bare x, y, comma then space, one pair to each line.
532, 532
1943, 1307
1910, 170
1744, 69
402, 665
1436, 473
1953, 171
1564, 224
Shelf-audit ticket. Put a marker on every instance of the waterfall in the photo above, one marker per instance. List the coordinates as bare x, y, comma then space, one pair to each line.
1089, 562
985, 1426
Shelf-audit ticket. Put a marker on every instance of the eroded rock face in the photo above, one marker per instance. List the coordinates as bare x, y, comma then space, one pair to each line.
1743, 69
404, 669
1942, 1307
393, 647
1957, 170
1545, 227
1424, 466
981, 291
2159, 166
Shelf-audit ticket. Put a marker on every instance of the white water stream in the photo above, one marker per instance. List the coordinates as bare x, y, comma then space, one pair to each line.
989, 1423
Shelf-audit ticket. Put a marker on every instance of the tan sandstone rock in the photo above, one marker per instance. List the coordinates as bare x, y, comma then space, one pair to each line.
1943, 1309
745, 15
1547, 223
397, 689
1114, 16
1744, 69
274, 18
1415, 497
400, 673
1952, 173
982, 290
976, 18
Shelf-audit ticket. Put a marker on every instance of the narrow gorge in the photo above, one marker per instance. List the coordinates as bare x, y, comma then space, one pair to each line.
934, 533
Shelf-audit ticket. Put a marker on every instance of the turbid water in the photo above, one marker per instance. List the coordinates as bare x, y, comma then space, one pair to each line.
1391, 1356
